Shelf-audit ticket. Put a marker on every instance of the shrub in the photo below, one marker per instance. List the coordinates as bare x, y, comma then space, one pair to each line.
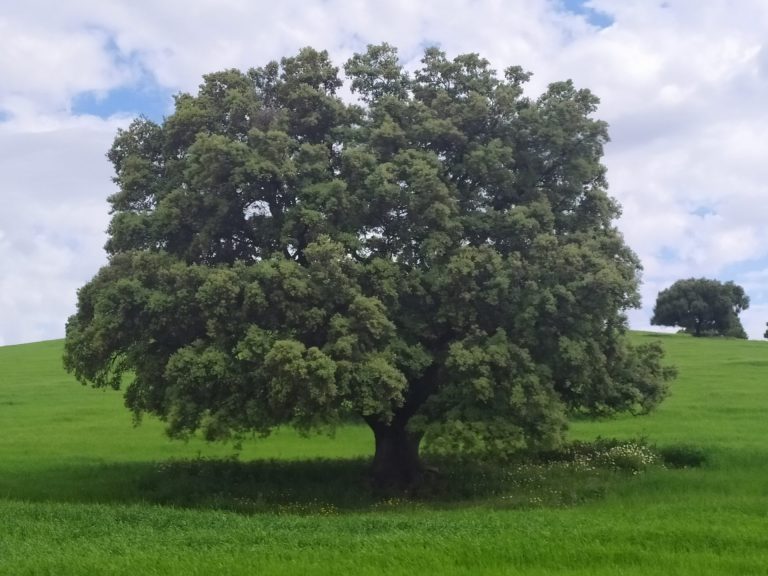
683, 456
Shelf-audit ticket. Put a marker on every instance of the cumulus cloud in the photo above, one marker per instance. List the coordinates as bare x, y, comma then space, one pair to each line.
682, 84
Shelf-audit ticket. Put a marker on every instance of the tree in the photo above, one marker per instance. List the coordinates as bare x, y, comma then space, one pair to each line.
702, 307
438, 258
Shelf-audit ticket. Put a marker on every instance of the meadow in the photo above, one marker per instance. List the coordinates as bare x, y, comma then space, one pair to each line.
84, 491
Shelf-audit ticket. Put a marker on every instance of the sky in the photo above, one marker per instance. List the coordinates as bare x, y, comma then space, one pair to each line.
683, 85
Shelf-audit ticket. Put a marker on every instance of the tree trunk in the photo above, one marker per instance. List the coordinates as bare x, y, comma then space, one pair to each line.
396, 463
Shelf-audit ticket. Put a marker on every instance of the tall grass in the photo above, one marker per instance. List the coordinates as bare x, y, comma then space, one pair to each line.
82, 491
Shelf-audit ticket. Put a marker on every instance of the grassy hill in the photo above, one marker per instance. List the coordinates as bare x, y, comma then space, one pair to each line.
83, 491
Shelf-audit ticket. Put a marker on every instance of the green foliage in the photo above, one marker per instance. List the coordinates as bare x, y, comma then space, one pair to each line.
702, 307
442, 258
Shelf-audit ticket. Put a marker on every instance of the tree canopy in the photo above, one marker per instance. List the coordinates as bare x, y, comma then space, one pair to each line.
438, 258
702, 307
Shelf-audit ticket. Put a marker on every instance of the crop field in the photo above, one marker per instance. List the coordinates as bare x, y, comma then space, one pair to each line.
84, 491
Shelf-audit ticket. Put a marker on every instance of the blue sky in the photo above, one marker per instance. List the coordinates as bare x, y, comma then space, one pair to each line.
682, 84
146, 98
141, 94
593, 16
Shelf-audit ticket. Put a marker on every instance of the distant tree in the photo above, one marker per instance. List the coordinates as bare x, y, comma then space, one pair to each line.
702, 307
439, 259
765, 334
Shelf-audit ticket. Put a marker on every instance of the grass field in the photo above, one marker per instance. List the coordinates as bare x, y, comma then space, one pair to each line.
84, 492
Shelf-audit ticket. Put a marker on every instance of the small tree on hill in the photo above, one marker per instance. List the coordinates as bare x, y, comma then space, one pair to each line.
440, 260
702, 307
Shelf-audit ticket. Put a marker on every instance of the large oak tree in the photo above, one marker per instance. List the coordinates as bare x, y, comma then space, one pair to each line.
439, 258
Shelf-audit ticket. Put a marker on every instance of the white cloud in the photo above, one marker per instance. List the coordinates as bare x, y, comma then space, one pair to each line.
683, 84
54, 179
43, 68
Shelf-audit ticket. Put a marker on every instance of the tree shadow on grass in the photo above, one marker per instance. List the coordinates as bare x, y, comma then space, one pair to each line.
311, 486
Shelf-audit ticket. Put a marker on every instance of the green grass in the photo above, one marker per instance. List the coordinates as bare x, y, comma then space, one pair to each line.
84, 492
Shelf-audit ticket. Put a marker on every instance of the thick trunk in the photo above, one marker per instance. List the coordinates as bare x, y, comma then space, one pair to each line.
396, 463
